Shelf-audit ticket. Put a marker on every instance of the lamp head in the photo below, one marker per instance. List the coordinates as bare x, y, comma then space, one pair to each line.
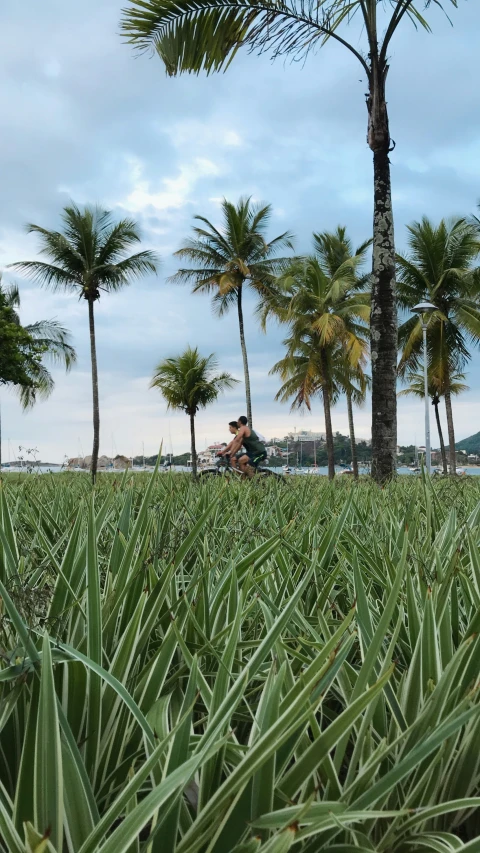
424, 308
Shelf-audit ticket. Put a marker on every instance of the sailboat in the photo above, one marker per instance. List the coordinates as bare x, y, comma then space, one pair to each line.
415, 469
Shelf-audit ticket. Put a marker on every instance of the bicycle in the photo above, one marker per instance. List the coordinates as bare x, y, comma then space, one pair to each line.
224, 468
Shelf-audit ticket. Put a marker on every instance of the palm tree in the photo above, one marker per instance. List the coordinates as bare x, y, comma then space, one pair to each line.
204, 35
188, 382
89, 257
231, 257
306, 372
439, 267
52, 341
333, 250
323, 299
416, 387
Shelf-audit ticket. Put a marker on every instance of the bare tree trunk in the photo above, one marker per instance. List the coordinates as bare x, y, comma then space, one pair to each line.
192, 446
328, 418
244, 356
383, 322
351, 428
435, 404
96, 409
451, 432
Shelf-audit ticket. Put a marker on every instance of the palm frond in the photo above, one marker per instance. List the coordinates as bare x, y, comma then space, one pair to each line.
194, 37
115, 239
47, 275
11, 295
42, 386
54, 338
113, 277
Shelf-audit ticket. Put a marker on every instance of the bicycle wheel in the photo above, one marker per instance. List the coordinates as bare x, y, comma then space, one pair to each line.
206, 475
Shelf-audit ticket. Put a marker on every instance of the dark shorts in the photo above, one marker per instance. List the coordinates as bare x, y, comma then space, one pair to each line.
255, 458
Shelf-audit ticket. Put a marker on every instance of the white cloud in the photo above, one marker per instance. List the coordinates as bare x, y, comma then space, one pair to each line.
173, 193
52, 68
231, 137
207, 135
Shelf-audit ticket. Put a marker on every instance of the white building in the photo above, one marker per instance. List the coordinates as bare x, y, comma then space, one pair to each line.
306, 435
209, 456
273, 450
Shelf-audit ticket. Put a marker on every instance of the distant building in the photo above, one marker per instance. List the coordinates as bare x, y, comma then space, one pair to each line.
274, 450
306, 435
209, 456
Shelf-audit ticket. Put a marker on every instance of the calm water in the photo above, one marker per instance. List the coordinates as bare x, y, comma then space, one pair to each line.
318, 472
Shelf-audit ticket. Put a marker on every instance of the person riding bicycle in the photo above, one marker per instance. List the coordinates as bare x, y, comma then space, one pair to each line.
255, 451
233, 428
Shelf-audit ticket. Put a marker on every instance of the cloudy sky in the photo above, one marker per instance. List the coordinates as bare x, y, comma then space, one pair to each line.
83, 118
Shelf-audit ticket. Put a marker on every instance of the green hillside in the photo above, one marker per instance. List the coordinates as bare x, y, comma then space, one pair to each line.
470, 444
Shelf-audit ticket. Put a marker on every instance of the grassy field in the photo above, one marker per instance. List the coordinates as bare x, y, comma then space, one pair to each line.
220, 668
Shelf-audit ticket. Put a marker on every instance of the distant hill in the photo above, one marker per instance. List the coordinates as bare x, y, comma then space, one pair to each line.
470, 444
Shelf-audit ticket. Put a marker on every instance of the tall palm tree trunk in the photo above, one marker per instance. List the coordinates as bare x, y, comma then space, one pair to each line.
351, 428
383, 322
328, 418
96, 408
435, 404
192, 446
451, 431
244, 356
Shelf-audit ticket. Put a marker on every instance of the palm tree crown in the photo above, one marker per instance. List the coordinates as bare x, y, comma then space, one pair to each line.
325, 295
227, 258
416, 386
306, 372
224, 258
188, 382
90, 255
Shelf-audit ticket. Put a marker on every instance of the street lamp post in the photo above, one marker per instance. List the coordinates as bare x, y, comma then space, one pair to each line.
423, 310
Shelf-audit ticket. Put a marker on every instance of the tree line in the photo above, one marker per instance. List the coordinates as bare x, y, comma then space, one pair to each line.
323, 299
